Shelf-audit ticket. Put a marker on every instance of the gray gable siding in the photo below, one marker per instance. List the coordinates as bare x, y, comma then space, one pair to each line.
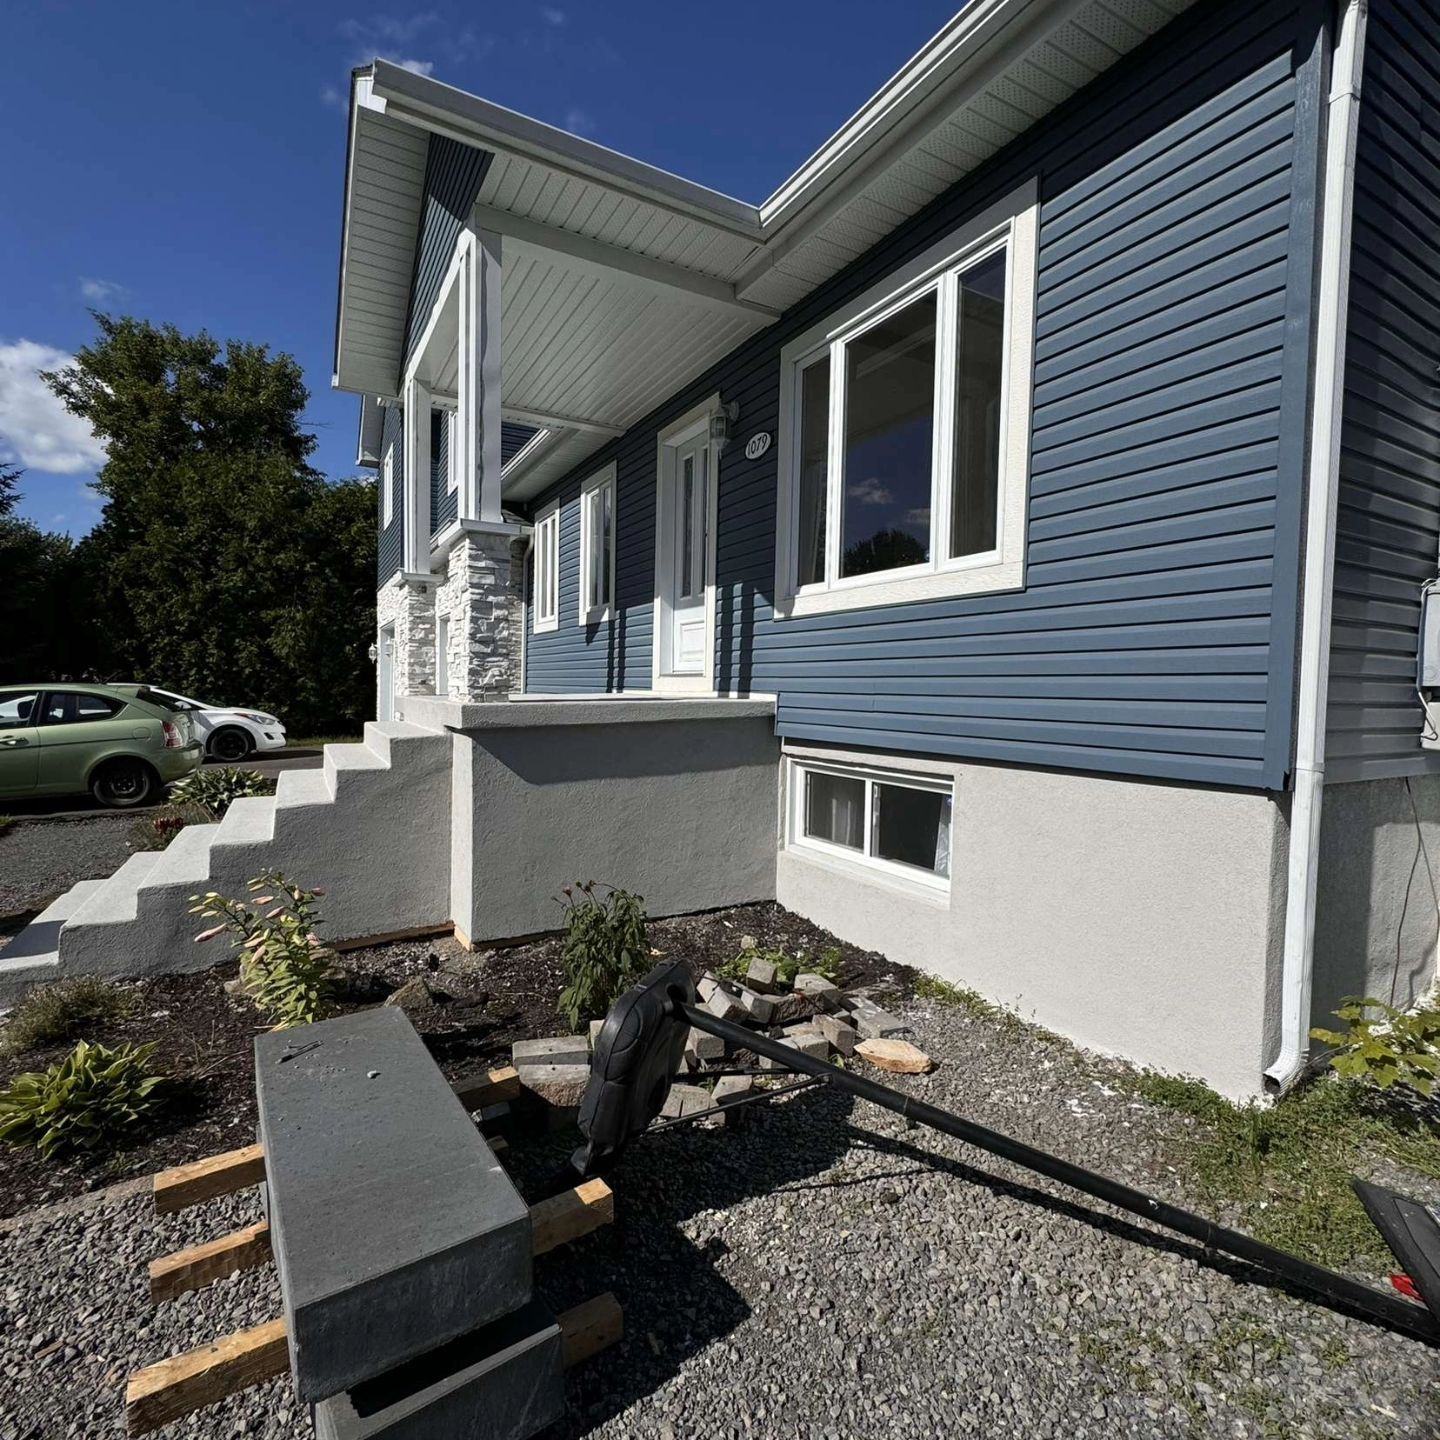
1388, 528
453, 173
443, 501
1156, 631
390, 546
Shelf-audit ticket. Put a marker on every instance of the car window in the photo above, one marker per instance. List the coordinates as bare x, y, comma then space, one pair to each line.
17, 708
69, 707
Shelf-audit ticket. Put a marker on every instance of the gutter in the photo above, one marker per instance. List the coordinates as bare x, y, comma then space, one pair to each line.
1332, 305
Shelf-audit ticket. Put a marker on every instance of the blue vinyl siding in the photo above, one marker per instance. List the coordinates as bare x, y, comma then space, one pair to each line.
453, 173
443, 507
1155, 634
1388, 529
513, 439
390, 547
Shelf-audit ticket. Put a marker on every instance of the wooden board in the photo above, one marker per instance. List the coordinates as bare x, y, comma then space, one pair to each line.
174, 1387
199, 1266
206, 1179
899, 1056
478, 1091
568, 1216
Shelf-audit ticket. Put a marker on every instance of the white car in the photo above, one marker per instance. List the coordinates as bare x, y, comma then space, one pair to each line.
229, 735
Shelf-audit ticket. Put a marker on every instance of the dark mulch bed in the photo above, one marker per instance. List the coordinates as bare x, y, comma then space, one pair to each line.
483, 1003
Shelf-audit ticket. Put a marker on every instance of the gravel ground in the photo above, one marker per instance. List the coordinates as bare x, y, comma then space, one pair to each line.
822, 1273
41, 859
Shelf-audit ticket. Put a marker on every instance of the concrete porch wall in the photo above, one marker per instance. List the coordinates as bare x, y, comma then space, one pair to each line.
672, 799
1138, 919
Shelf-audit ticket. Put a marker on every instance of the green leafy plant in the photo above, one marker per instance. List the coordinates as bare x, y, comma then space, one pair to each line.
825, 963
284, 967
1394, 1047
6, 821
157, 830
51, 1013
605, 949
215, 788
85, 1102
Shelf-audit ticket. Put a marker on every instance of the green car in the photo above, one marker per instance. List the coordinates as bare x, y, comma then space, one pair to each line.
119, 742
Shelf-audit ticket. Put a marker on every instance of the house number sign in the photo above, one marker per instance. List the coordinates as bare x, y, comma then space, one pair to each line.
757, 445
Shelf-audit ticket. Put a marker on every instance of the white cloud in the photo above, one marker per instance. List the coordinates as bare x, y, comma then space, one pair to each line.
101, 292
330, 96
578, 122
415, 67
920, 515
869, 492
36, 430
552, 16
391, 37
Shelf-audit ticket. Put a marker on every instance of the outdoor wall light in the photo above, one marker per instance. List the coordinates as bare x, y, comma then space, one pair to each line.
373, 652
720, 423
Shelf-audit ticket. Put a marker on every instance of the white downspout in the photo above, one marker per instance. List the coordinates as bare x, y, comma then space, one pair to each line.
1332, 298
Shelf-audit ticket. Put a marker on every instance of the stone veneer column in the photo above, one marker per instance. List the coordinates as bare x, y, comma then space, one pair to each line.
410, 607
478, 596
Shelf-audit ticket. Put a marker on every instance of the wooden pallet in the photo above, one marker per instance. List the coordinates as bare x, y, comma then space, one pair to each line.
181, 1384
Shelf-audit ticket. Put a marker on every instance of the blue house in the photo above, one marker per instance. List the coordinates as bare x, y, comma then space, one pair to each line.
1004, 545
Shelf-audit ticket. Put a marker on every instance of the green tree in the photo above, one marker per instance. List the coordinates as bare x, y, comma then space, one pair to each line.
224, 565
38, 602
9, 491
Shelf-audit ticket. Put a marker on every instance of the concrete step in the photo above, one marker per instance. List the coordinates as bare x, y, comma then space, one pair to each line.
114, 900
302, 787
32, 956
248, 821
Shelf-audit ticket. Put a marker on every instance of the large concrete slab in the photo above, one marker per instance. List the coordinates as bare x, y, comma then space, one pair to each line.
394, 1227
503, 1382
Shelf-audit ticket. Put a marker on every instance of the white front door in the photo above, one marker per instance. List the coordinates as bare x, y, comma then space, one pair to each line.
385, 700
683, 648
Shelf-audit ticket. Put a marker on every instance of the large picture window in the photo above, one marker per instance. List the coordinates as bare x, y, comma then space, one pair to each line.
597, 546
905, 428
545, 571
891, 821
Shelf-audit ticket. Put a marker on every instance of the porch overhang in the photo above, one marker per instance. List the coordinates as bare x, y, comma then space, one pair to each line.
621, 282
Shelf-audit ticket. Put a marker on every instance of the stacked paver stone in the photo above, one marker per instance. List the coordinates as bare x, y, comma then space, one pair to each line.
403, 1248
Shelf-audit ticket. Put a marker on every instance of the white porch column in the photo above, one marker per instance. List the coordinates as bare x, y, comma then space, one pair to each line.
479, 379
416, 555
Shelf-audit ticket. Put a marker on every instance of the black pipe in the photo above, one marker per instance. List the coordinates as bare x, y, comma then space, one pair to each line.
1404, 1315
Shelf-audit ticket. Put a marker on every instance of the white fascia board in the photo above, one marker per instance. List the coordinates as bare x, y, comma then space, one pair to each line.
468, 118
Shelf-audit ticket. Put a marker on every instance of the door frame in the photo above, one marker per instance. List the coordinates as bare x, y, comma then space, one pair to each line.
385, 667
689, 425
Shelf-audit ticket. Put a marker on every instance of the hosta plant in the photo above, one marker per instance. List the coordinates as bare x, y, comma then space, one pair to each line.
86, 1102
284, 967
1391, 1047
215, 787
605, 949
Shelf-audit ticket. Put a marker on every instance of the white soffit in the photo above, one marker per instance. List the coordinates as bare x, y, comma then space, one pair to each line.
623, 282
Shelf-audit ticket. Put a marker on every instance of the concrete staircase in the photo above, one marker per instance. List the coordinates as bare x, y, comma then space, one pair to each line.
371, 827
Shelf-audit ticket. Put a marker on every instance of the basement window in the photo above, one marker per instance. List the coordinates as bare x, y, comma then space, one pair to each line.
881, 818
597, 546
545, 571
904, 428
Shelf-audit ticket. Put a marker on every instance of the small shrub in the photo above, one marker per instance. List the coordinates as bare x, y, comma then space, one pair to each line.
85, 1102
605, 950
156, 831
1397, 1047
51, 1013
284, 968
825, 963
214, 788
6, 821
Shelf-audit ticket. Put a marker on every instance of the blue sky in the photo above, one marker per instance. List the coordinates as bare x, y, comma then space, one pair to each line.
183, 162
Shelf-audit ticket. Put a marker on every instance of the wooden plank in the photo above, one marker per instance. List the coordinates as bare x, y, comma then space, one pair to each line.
491, 1088
206, 1179
570, 1215
590, 1327
415, 932
198, 1266
165, 1391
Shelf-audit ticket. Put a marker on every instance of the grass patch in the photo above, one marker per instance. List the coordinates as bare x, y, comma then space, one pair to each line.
52, 1013
6, 821
942, 992
1284, 1170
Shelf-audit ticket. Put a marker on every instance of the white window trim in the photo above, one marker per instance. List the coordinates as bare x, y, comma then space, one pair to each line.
689, 425
452, 471
599, 481
797, 839
387, 487
546, 565
1014, 223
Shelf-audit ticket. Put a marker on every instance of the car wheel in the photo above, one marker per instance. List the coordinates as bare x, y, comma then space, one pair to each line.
123, 784
230, 745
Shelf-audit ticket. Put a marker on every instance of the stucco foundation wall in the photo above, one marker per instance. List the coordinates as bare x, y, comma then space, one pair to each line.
1134, 918
681, 811
1379, 892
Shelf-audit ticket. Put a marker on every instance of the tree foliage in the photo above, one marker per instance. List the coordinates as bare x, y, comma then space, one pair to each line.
39, 609
224, 566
